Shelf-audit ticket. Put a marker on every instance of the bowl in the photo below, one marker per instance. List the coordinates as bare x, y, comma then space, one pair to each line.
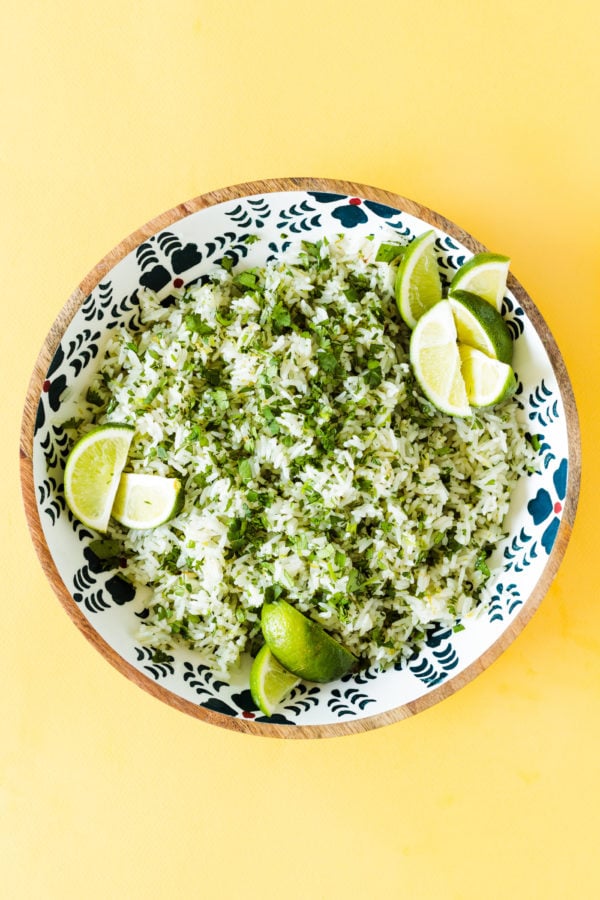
251, 223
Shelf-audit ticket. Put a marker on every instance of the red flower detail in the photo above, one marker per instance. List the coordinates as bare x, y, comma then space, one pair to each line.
247, 714
355, 201
46, 386
557, 507
178, 282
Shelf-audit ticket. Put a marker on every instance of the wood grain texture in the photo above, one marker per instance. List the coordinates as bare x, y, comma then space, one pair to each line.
28, 490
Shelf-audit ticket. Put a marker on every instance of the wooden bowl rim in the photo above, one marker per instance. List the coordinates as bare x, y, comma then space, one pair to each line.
95, 276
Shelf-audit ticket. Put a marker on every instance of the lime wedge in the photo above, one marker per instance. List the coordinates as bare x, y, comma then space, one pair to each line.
145, 501
487, 381
301, 645
481, 326
436, 362
418, 285
92, 473
485, 275
270, 683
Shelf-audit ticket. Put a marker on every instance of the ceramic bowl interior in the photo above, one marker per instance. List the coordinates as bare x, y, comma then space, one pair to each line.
176, 249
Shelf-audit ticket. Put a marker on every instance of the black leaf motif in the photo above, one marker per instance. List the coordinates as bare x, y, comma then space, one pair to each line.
426, 673
96, 305
400, 228
44, 491
168, 242
156, 278
126, 305
447, 657
438, 634
40, 417
95, 564
94, 603
146, 255
85, 357
53, 511
384, 212
506, 599
51, 455
514, 317
219, 706
322, 197
88, 308
447, 243
245, 701
220, 241
364, 676
120, 590
84, 578
159, 664
275, 719
543, 409
337, 704
240, 216
55, 390
57, 361
186, 258
260, 206
302, 698
200, 678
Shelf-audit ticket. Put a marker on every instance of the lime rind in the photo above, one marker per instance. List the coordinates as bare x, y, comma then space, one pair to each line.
92, 473
418, 285
270, 682
144, 501
436, 362
481, 326
302, 646
485, 274
488, 381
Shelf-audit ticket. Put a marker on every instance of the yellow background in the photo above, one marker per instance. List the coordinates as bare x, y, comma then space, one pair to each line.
114, 111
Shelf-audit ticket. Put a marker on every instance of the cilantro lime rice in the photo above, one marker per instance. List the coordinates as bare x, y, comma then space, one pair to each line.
313, 467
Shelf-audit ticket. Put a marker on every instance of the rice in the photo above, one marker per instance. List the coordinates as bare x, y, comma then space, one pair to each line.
284, 400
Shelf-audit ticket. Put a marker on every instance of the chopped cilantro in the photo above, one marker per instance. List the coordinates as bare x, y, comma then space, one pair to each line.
94, 397
247, 281
390, 253
481, 564
273, 592
245, 470
373, 376
153, 393
281, 316
245, 532
196, 324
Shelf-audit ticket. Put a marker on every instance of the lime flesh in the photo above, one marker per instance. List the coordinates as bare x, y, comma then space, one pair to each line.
270, 682
302, 646
418, 286
481, 326
146, 501
92, 473
488, 381
435, 360
485, 275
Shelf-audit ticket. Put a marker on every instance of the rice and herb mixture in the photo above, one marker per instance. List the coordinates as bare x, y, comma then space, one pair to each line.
313, 468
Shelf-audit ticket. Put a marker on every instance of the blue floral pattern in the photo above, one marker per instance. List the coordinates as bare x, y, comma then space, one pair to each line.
545, 506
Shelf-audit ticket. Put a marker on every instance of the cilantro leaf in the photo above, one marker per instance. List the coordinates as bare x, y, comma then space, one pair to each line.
280, 316
245, 470
195, 323
390, 253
